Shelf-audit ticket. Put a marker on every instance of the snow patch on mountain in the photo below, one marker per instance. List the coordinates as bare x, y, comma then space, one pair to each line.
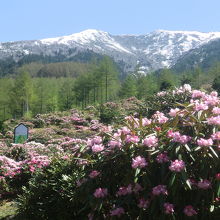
155, 50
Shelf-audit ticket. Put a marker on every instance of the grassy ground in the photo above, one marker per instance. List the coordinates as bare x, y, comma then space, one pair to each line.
7, 209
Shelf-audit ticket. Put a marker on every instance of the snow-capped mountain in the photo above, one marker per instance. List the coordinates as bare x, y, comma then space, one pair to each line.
153, 51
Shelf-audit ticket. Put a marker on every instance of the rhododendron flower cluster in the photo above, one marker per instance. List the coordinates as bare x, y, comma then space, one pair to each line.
94, 174
204, 184
151, 141
9, 167
217, 176
205, 142
162, 158
160, 117
177, 166
216, 136
160, 189
189, 210
132, 139
37, 161
117, 212
143, 203
139, 162
173, 112
168, 208
100, 192
200, 106
214, 120
124, 190
177, 137
216, 111
96, 144
146, 122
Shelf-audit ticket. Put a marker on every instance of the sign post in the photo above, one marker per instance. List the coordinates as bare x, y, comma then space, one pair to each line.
20, 134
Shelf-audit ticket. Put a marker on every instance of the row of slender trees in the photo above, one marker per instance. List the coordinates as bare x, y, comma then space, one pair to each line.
28, 96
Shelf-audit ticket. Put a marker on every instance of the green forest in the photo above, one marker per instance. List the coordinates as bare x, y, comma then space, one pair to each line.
38, 88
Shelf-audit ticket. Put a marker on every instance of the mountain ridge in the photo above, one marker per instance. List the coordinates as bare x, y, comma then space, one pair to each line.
153, 51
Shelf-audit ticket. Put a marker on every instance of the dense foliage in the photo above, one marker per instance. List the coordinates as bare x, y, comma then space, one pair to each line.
165, 166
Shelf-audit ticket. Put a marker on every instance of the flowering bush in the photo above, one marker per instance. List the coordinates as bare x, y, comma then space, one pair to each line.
166, 101
163, 167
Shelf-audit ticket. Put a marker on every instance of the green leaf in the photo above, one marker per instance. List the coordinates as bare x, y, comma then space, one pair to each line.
188, 184
177, 149
198, 148
186, 179
212, 207
187, 147
218, 192
213, 151
136, 174
173, 179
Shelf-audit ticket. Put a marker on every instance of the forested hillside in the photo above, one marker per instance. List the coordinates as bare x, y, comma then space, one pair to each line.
42, 88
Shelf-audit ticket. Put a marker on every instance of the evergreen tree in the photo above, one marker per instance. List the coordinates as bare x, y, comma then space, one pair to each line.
129, 87
21, 94
167, 79
66, 94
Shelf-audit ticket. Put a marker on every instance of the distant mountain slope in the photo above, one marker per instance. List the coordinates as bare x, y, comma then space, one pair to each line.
155, 50
204, 57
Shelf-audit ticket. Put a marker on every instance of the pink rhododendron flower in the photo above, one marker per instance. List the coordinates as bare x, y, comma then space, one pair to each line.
192, 182
100, 192
146, 121
177, 166
125, 130
205, 142
204, 184
160, 117
183, 139
189, 210
160, 189
216, 110
214, 120
9, 167
197, 94
117, 212
143, 203
137, 188
216, 136
97, 148
187, 88
163, 93
168, 208
90, 216
124, 190
80, 182
177, 137
162, 158
94, 174
151, 141
170, 133
214, 93
132, 139
210, 100
139, 162
65, 157
173, 112
200, 106
97, 140
114, 144
217, 176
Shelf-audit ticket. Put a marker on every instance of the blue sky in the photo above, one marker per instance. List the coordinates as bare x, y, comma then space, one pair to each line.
37, 19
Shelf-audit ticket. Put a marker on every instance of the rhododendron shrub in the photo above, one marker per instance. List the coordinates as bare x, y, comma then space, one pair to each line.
20, 162
163, 167
166, 101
